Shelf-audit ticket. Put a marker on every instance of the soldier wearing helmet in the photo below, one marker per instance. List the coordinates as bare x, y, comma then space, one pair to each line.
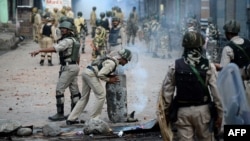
103, 21
36, 21
116, 39
237, 50
186, 88
81, 30
100, 69
48, 37
68, 49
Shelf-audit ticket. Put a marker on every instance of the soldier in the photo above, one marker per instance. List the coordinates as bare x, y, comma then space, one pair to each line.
131, 29
93, 21
48, 33
100, 69
116, 39
68, 49
212, 36
155, 36
70, 13
103, 22
237, 50
36, 21
146, 35
191, 77
99, 43
81, 29
120, 15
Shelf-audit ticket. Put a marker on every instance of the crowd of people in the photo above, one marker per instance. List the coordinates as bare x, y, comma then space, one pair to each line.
189, 84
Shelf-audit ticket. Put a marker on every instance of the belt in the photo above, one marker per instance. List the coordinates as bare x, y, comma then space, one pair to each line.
187, 104
91, 68
69, 63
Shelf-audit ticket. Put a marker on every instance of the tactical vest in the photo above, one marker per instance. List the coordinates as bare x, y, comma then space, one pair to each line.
190, 91
74, 55
114, 36
239, 56
47, 30
98, 62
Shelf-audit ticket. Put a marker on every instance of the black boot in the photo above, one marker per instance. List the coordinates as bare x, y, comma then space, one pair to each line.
59, 116
50, 63
41, 62
83, 50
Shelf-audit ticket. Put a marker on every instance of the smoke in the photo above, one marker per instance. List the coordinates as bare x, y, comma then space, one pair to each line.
140, 76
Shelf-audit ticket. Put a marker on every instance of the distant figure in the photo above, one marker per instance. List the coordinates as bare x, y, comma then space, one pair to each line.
36, 21
93, 21
131, 29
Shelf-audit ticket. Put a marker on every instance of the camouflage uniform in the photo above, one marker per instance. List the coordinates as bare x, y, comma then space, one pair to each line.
155, 36
146, 35
211, 39
99, 43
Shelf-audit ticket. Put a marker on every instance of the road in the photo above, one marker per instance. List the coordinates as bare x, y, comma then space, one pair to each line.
27, 90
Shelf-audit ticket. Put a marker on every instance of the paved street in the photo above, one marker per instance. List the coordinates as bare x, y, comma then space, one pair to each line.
27, 90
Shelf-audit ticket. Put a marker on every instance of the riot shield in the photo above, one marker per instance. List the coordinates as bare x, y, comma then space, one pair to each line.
117, 100
233, 95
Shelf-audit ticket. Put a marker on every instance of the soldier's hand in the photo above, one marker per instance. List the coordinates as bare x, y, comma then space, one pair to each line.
34, 53
217, 66
113, 79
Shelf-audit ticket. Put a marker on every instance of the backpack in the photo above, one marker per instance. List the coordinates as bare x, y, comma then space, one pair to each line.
75, 49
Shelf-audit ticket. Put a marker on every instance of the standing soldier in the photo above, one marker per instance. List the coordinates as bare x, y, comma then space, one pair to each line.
81, 29
99, 43
146, 35
190, 87
48, 33
120, 15
131, 29
68, 48
155, 29
116, 39
212, 36
36, 21
237, 50
70, 13
93, 21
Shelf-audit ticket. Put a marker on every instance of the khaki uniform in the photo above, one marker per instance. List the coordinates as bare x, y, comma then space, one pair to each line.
93, 22
192, 120
91, 77
36, 27
67, 76
228, 55
47, 41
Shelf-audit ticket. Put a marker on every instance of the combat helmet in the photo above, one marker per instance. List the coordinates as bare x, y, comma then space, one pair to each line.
232, 26
126, 54
34, 10
193, 40
79, 14
102, 14
66, 24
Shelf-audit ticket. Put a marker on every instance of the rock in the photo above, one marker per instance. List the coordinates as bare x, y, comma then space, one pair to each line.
96, 126
51, 130
24, 131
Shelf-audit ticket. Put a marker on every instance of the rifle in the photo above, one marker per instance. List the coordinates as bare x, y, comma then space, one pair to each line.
212, 107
